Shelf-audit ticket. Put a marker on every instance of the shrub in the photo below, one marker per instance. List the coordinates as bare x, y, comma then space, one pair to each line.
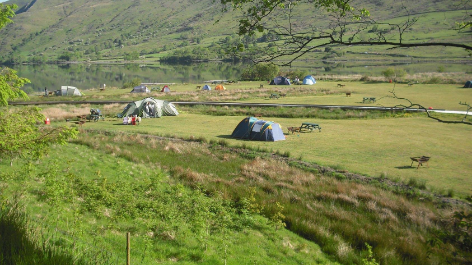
393, 73
260, 72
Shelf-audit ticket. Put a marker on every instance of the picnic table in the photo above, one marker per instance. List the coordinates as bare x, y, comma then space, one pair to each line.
273, 95
364, 100
420, 160
310, 126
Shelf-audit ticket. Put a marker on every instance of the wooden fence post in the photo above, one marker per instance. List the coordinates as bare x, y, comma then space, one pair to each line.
128, 258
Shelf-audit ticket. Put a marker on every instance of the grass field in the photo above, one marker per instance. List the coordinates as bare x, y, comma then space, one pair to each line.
437, 96
117, 187
380, 147
369, 146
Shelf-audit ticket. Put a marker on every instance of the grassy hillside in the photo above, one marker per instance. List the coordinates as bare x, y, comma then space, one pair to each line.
196, 202
110, 29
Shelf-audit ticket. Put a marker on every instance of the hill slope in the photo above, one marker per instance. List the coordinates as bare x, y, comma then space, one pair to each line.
107, 29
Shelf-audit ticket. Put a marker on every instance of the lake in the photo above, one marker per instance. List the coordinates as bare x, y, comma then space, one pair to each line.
85, 76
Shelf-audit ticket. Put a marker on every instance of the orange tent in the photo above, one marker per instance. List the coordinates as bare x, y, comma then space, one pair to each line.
220, 87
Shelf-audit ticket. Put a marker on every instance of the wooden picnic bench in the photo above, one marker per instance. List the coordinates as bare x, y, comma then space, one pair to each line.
366, 99
273, 95
420, 160
199, 87
310, 126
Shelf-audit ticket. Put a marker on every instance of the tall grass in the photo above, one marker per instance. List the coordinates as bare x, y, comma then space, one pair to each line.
93, 199
25, 242
339, 215
287, 112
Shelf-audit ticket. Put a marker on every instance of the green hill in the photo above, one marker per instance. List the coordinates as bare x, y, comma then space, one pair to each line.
93, 30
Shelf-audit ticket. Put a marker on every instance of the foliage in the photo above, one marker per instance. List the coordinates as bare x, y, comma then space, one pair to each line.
10, 85
369, 260
129, 56
458, 232
6, 12
260, 72
348, 26
394, 73
133, 83
20, 135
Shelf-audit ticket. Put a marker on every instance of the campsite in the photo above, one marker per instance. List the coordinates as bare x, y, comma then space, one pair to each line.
262, 132
354, 145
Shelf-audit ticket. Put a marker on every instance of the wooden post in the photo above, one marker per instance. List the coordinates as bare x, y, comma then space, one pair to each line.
128, 258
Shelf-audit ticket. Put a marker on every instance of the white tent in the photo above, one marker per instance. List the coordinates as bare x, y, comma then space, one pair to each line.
68, 91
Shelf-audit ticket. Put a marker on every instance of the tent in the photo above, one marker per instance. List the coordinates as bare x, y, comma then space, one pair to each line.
280, 80
149, 108
206, 87
309, 80
468, 84
220, 87
68, 91
165, 89
253, 129
140, 89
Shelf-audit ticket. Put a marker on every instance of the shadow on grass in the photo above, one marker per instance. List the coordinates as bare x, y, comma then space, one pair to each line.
405, 167
227, 137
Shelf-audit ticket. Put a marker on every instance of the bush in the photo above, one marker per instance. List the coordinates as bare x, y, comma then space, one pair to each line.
260, 72
393, 73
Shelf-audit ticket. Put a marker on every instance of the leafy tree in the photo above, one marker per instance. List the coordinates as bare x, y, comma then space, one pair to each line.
10, 85
347, 26
20, 135
260, 72
393, 73
6, 12
129, 56
29, 139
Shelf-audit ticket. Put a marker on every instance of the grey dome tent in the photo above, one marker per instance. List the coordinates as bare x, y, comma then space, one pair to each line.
149, 108
309, 80
280, 80
468, 84
140, 89
206, 87
68, 91
253, 129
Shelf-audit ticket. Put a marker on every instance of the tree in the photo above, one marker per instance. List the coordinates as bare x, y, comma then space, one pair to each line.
6, 12
260, 72
393, 73
29, 139
20, 135
10, 85
346, 25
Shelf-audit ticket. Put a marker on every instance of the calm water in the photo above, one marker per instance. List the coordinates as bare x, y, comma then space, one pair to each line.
86, 76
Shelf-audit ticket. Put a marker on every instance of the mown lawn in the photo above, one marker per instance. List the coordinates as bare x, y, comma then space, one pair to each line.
372, 147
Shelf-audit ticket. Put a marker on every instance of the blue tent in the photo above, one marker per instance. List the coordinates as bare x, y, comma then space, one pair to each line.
280, 80
206, 87
253, 129
468, 84
309, 80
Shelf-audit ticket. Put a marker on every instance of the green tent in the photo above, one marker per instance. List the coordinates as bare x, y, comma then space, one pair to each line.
149, 108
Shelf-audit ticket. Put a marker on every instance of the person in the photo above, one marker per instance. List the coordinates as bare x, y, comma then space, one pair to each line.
297, 80
125, 120
45, 91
